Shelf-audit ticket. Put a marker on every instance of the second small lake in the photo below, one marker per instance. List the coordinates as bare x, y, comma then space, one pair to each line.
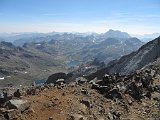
39, 82
73, 63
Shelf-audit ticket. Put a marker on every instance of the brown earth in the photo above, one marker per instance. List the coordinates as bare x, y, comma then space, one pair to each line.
61, 104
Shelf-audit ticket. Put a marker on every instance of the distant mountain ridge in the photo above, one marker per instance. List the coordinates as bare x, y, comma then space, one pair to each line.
56, 52
21, 38
147, 37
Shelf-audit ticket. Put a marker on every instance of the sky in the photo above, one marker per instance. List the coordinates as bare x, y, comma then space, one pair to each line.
132, 16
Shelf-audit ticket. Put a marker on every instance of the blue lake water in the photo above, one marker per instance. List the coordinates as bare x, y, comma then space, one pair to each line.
73, 63
38, 82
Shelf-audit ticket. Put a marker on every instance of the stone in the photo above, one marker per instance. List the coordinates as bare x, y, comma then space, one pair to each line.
83, 108
17, 93
86, 103
156, 96
5, 96
50, 118
95, 86
77, 117
33, 91
12, 114
110, 116
9, 94
116, 115
129, 99
60, 81
99, 82
2, 117
103, 89
2, 110
20, 105
2, 101
81, 80
114, 93
84, 91
134, 91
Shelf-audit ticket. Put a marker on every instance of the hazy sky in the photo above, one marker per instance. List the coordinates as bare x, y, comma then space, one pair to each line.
133, 16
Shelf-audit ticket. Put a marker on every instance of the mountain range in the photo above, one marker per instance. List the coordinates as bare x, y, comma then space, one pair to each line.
127, 64
39, 55
74, 77
147, 37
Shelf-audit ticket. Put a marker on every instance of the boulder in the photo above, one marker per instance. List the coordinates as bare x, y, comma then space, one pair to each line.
84, 91
33, 91
99, 82
20, 105
114, 93
103, 89
77, 117
1, 99
134, 91
5, 96
50, 118
156, 96
2, 117
60, 81
84, 106
81, 80
17, 93
12, 114
86, 102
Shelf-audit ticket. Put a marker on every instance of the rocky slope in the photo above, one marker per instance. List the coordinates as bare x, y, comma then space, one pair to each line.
19, 66
114, 97
136, 60
134, 96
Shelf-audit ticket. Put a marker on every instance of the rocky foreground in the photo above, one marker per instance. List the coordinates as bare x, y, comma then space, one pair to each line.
132, 97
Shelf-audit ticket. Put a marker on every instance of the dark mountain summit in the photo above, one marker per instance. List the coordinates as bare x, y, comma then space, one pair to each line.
116, 34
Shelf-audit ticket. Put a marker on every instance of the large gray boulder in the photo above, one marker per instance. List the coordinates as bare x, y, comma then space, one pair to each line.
2, 117
20, 105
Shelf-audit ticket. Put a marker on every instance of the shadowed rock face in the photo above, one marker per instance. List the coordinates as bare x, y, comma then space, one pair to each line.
54, 77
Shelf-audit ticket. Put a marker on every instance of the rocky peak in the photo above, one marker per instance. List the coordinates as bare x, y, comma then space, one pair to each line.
127, 64
116, 34
136, 60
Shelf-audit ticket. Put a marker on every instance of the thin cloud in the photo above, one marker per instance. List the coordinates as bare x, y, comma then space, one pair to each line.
131, 25
53, 14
